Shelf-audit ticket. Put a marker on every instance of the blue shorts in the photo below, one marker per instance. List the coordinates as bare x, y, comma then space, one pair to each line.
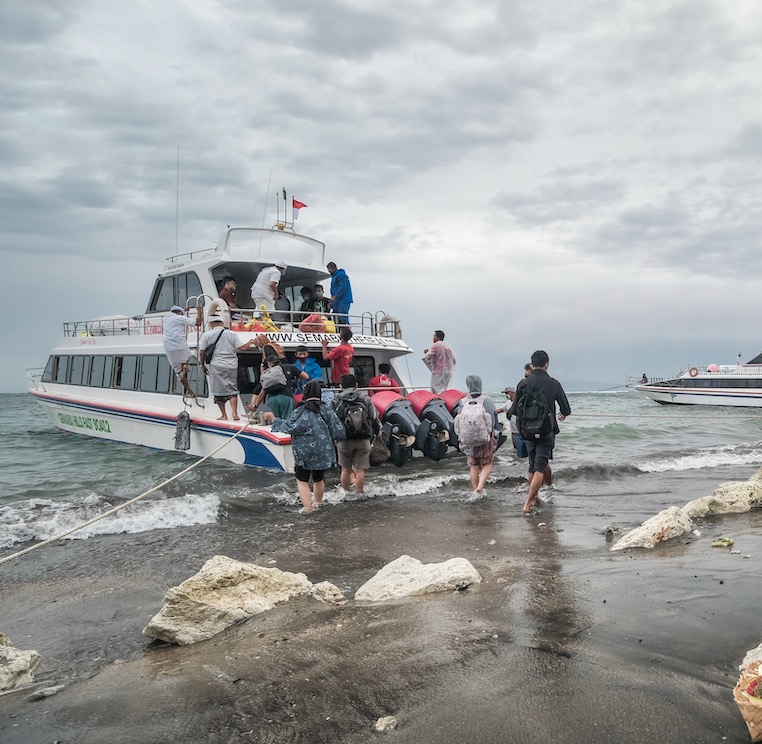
540, 453
520, 445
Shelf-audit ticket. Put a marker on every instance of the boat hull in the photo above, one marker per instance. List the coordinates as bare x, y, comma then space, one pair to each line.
702, 396
155, 428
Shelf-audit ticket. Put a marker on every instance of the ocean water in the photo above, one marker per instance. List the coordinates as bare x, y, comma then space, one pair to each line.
619, 459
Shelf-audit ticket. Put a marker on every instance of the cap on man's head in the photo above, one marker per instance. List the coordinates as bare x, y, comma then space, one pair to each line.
509, 390
176, 309
281, 264
348, 381
272, 358
215, 319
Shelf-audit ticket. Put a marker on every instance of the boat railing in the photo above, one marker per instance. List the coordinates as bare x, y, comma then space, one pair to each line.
242, 320
365, 324
35, 377
115, 325
632, 381
182, 258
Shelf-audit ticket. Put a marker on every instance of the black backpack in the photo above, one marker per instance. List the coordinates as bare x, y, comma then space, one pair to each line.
533, 416
354, 415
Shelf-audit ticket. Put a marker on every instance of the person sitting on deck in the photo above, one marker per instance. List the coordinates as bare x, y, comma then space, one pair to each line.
307, 364
382, 381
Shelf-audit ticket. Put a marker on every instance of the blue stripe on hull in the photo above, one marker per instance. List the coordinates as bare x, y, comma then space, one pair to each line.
256, 453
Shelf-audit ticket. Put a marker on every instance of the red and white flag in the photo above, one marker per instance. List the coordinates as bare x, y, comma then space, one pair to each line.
297, 205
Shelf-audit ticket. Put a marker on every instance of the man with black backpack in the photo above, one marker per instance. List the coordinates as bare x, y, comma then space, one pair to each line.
535, 411
358, 414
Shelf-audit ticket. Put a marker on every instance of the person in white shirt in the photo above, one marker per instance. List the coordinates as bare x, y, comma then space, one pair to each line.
265, 288
176, 324
222, 370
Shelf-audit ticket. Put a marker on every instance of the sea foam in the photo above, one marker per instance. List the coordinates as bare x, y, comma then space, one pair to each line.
710, 458
41, 519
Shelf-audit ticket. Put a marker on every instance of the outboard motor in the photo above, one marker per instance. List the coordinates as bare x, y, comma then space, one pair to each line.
433, 439
399, 425
183, 431
453, 399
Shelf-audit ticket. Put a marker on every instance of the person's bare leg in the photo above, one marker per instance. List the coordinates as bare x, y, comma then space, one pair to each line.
304, 495
547, 477
319, 491
346, 478
184, 380
234, 407
473, 474
224, 416
359, 481
534, 486
483, 475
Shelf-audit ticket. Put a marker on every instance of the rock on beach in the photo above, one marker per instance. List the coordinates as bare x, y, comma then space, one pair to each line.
728, 498
224, 592
16, 665
408, 577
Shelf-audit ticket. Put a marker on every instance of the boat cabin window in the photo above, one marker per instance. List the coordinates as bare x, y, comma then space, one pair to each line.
61, 369
80, 370
174, 290
125, 372
100, 371
363, 368
51, 369
150, 373
155, 374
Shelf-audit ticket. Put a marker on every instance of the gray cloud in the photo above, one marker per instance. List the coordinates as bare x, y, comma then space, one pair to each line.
448, 153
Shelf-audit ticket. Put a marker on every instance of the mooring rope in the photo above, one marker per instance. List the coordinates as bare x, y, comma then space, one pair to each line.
122, 506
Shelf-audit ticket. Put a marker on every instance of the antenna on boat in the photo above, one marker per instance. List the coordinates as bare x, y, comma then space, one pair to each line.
264, 211
177, 204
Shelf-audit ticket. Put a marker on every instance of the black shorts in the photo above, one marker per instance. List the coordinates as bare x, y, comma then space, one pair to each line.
303, 474
540, 452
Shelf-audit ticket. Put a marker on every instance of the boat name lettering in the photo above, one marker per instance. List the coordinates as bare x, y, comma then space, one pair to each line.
87, 341
85, 422
334, 338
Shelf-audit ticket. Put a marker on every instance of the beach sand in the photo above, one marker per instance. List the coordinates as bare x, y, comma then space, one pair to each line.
563, 641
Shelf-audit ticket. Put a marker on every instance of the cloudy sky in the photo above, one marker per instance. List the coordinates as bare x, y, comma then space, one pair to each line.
574, 175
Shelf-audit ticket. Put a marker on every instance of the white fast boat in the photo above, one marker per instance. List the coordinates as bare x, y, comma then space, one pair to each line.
714, 385
109, 377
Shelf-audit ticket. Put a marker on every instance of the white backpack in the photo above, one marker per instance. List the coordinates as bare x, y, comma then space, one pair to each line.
473, 424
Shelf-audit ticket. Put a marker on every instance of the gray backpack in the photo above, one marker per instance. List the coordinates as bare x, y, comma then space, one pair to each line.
273, 377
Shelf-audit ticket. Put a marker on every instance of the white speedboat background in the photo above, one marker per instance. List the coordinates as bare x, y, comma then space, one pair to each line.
109, 377
713, 385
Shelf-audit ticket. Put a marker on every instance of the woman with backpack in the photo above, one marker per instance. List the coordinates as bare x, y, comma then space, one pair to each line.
313, 427
477, 428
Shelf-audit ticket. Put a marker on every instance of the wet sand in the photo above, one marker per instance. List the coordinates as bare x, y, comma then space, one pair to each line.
564, 641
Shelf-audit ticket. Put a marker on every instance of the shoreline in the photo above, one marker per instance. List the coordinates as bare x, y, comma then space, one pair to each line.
563, 640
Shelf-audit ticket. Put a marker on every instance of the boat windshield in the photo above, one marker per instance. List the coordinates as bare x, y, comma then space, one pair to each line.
253, 244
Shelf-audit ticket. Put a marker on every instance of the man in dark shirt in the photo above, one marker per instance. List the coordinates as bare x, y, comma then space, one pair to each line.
320, 303
541, 450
